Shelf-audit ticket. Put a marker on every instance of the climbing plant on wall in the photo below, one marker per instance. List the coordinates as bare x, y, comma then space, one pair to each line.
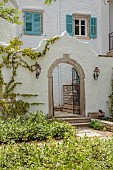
111, 100
13, 57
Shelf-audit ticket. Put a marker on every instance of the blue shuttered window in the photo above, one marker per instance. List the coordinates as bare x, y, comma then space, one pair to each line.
70, 21
33, 23
69, 24
93, 27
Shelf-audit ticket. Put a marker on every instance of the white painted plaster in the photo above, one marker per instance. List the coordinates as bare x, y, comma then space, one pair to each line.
54, 20
96, 91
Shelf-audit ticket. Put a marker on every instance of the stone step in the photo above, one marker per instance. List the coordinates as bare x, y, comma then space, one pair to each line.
67, 106
80, 124
71, 111
58, 108
67, 116
76, 119
68, 110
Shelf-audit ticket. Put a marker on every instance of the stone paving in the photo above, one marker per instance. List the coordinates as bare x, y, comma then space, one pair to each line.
92, 133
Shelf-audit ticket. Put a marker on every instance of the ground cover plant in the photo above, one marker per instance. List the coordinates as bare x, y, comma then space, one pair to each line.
71, 154
33, 127
96, 124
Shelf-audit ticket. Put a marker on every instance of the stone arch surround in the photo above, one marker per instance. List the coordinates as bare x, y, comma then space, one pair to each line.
67, 60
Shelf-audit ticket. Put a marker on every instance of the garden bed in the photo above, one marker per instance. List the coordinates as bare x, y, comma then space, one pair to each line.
71, 153
107, 125
34, 127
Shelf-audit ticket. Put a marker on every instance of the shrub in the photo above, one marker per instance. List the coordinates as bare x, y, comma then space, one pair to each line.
33, 127
72, 153
96, 124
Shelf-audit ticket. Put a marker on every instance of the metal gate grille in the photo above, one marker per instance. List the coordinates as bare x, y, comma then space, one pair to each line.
75, 91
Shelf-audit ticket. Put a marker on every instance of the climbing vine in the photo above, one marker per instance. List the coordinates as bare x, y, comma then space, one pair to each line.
12, 57
111, 101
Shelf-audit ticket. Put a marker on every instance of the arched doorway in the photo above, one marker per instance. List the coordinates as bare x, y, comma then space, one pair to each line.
80, 72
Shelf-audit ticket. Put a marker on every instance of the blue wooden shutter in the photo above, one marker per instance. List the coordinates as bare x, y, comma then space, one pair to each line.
28, 23
93, 27
33, 23
69, 24
37, 24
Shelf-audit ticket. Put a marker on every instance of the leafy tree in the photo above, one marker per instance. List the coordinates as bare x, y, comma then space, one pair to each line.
9, 13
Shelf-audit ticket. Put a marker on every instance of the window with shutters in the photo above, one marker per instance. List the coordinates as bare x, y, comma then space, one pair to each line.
81, 25
32, 23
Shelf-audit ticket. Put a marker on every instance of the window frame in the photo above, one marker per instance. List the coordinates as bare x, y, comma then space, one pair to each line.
85, 17
35, 11
80, 25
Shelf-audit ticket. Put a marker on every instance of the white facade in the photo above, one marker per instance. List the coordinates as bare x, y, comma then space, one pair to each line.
96, 91
54, 20
80, 50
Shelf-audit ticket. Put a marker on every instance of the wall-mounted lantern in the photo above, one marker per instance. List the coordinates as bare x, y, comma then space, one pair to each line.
38, 70
96, 73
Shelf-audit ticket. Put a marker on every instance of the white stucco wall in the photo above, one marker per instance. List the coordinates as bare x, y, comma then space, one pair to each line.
96, 91
104, 27
54, 20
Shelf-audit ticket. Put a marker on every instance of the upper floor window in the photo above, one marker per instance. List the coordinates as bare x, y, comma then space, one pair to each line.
81, 25
32, 23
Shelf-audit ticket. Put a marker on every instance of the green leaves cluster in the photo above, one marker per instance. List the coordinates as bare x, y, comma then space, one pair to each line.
33, 127
70, 154
8, 13
49, 2
96, 124
111, 101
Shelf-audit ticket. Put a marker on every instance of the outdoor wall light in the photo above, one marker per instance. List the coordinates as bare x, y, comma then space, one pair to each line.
38, 70
96, 73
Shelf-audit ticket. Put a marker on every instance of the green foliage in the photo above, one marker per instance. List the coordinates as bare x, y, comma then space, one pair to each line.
48, 2
96, 124
111, 101
8, 13
32, 127
12, 58
70, 154
13, 108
